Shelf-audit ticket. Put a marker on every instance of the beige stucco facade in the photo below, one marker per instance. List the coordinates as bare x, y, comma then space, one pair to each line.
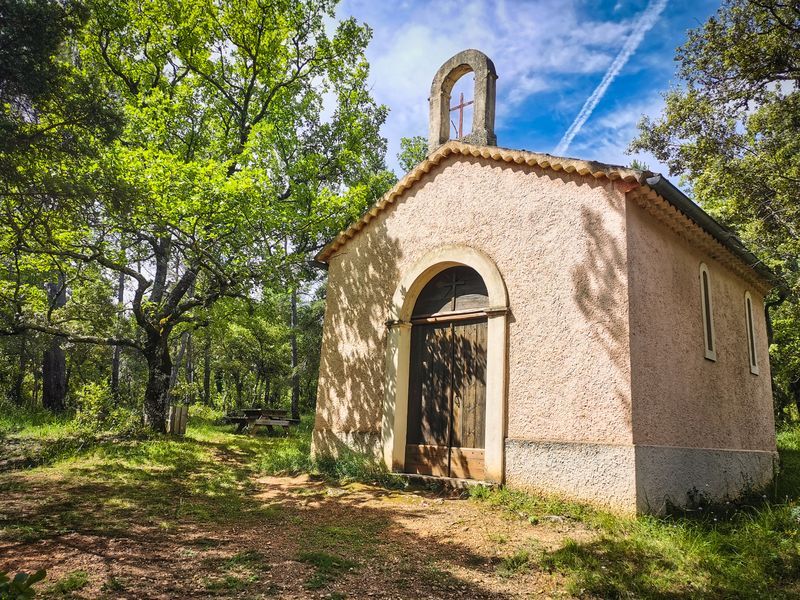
597, 386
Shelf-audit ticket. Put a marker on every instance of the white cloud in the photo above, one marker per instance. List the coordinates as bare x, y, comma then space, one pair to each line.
537, 46
643, 25
608, 135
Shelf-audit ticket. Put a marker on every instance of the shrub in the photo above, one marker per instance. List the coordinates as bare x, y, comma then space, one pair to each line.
355, 466
97, 411
21, 586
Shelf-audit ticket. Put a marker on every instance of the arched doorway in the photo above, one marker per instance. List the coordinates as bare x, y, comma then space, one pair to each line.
446, 421
398, 353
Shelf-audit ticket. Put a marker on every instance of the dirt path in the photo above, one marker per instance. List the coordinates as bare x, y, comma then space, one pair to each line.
139, 535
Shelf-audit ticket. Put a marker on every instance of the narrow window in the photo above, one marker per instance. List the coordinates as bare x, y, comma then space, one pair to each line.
708, 314
751, 336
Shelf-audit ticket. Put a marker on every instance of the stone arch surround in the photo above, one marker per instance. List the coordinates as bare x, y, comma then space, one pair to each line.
466, 61
398, 351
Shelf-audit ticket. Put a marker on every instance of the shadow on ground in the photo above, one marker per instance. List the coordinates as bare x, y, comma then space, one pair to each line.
192, 519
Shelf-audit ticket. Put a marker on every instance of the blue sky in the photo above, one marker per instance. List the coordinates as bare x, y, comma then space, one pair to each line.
551, 55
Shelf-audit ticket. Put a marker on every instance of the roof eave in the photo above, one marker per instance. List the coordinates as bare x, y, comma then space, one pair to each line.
728, 238
545, 161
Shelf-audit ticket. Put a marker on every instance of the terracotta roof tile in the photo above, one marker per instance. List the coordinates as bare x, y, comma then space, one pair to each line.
644, 182
535, 159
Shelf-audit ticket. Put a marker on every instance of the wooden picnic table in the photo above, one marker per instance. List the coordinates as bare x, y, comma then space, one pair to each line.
272, 413
261, 417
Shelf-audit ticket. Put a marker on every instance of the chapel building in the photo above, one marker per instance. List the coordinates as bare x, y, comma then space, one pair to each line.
549, 323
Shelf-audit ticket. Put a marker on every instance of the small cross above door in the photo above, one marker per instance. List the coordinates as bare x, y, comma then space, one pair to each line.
451, 286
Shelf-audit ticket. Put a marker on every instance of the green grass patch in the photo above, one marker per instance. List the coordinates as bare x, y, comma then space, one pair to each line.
531, 506
753, 554
745, 550
230, 583
71, 582
30, 421
352, 466
327, 568
114, 584
516, 563
249, 559
788, 481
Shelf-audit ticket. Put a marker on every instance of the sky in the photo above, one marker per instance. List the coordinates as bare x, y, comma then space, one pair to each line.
574, 76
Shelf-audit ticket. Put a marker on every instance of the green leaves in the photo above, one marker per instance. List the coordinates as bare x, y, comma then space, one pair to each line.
198, 150
413, 151
21, 586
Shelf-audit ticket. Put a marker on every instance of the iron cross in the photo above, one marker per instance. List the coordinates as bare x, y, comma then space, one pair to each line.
451, 287
460, 108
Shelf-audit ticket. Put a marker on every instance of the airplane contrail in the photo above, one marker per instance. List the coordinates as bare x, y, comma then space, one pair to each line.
642, 26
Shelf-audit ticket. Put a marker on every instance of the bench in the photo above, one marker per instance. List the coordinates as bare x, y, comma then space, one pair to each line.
240, 421
268, 418
269, 423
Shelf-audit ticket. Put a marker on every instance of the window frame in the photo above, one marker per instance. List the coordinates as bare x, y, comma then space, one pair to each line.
707, 311
749, 322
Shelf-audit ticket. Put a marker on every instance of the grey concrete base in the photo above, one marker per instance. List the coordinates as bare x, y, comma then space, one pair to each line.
645, 479
601, 474
325, 442
684, 476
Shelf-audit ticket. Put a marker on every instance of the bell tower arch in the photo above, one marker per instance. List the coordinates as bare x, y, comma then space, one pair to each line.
466, 61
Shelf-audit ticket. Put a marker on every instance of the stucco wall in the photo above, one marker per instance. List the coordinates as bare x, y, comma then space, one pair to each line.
680, 398
559, 242
609, 396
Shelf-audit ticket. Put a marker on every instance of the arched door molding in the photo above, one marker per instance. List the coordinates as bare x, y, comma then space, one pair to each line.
398, 351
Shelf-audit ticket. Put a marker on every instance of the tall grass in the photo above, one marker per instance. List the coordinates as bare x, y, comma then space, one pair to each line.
291, 455
728, 551
30, 421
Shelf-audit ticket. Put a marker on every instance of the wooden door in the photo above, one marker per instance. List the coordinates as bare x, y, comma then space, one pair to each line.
447, 399
468, 414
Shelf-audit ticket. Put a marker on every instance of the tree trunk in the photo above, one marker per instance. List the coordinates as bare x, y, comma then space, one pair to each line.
116, 358
267, 385
295, 374
176, 367
22, 365
54, 361
156, 395
36, 377
54, 377
207, 371
190, 361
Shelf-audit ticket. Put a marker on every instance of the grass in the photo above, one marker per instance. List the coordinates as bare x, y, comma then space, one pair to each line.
730, 551
29, 422
788, 483
72, 582
231, 583
103, 486
327, 568
514, 564
533, 507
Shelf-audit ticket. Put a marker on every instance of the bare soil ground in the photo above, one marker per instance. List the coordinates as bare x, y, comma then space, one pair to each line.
193, 520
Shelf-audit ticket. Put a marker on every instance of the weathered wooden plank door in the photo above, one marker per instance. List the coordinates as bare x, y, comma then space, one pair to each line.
447, 399
430, 383
468, 410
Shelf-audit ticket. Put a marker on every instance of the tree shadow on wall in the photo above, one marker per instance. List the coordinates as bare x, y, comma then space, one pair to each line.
600, 292
355, 335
